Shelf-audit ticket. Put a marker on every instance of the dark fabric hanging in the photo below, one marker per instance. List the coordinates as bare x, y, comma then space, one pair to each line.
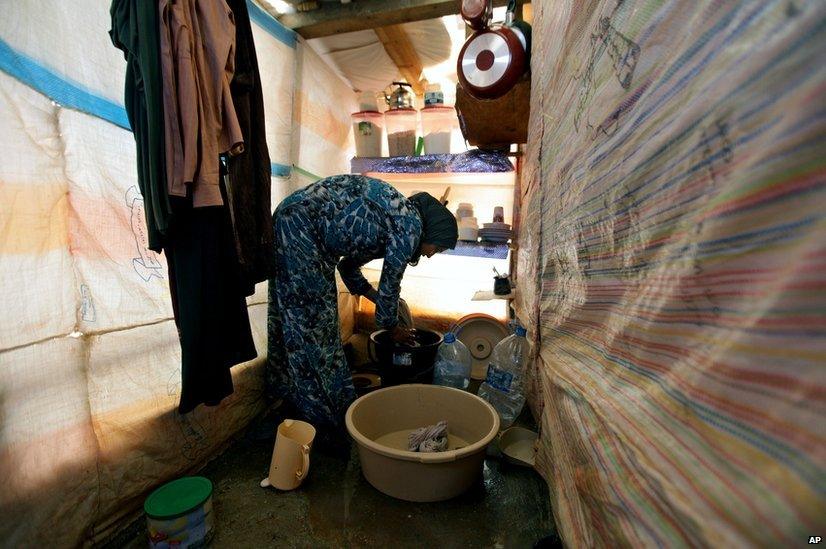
208, 299
135, 32
248, 188
215, 254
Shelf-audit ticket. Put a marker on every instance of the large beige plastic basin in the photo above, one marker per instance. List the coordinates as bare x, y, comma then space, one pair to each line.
415, 476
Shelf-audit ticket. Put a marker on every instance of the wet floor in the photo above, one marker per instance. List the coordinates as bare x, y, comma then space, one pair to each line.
337, 507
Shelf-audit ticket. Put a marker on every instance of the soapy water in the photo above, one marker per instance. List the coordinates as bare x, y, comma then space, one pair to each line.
397, 440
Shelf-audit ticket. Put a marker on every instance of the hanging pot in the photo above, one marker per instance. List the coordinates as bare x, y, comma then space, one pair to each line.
493, 60
477, 13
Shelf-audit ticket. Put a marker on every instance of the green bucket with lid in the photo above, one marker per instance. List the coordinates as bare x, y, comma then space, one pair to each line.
179, 514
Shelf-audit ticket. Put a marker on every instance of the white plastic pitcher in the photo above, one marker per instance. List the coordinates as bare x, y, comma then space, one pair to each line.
291, 455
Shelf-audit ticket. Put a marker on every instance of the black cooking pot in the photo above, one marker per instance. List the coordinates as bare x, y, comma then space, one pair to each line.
399, 363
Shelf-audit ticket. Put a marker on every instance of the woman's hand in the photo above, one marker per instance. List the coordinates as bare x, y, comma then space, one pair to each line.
372, 295
403, 335
405, 318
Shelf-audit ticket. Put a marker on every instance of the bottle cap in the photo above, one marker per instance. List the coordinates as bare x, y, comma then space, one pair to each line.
450, 337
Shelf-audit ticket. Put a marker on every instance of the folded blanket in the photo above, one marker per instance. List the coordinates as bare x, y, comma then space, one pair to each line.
432, 438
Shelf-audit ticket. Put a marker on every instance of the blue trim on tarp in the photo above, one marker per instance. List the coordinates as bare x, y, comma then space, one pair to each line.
280, 170
71, 95
59, 89
271, 24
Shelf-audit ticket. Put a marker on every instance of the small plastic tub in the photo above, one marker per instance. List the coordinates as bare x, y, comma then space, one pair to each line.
368, 131
179, 514
438, 125
518, 446
401, 131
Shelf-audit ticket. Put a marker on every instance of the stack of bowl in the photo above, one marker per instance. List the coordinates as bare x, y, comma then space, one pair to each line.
496, 232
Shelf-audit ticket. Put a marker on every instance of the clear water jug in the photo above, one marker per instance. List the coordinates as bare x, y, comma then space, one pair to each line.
453, 363
504, 387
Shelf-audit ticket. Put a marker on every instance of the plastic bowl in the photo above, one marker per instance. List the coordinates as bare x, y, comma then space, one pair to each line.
375, 418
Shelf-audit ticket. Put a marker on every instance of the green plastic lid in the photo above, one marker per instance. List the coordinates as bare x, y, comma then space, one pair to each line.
177, 498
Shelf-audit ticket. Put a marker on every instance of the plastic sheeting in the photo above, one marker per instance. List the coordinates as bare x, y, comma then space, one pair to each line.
474, 161
89, 353
672, 266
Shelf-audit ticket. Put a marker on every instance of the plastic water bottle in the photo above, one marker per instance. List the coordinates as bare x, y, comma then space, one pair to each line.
504, 386
452, 363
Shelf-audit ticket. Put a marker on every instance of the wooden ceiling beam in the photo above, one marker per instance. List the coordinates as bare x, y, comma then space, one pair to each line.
400, 49
332, 19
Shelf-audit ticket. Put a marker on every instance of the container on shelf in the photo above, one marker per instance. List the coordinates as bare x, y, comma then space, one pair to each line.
464, 210
468, 227
433, 95
368, 130
438, 124
401, 131
468, 234
367, 101
400, 98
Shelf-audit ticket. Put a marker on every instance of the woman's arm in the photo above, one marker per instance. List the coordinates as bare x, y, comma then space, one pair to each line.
401, 244
350, 271
388, 303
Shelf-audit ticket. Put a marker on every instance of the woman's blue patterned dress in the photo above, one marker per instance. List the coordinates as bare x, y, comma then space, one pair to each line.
344, 221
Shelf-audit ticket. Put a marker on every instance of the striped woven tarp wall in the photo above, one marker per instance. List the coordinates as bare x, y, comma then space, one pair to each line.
673, 269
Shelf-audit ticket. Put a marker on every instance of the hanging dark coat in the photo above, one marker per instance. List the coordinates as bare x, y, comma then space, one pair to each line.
249, 180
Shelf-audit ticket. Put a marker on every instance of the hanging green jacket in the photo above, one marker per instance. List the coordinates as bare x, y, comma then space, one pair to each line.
135, 30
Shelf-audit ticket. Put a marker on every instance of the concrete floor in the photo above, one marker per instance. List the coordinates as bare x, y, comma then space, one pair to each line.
336, 507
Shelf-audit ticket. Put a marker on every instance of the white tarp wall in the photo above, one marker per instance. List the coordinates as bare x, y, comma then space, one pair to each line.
89, 356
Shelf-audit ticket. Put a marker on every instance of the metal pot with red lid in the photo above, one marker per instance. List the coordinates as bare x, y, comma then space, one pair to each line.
495, 57
477, 13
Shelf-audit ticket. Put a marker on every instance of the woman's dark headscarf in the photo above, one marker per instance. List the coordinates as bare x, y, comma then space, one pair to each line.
438, 224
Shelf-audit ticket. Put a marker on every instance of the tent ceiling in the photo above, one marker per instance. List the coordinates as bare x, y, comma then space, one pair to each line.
362, 59
415, 36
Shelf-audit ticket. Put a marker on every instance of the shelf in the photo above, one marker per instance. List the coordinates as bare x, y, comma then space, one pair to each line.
503, 179
471, 162
488, 295
487, 250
